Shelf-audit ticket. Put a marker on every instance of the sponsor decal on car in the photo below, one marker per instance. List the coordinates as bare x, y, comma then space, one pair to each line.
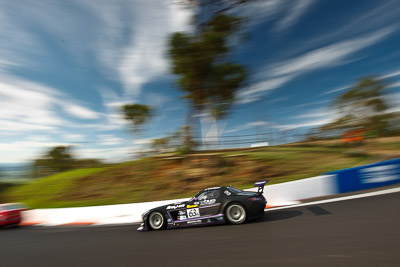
192, 206
207, 201
175, 206
193, 213
227, 193
196, 221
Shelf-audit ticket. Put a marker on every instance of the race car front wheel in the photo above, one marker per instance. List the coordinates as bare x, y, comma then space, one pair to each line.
235, 213
156, 220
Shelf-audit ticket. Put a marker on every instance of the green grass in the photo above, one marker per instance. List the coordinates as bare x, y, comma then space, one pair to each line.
161, 178
40, 192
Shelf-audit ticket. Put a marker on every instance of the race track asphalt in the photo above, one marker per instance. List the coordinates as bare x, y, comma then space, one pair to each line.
360, 232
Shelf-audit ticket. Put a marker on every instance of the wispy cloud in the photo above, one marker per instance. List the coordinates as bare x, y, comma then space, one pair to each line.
395, 85
384, 76
80, 111
329, 56
295, 11
27, 106
392, 74
140, 57
383, 13
276, 75
25, 150
315, 113
258, 89
247, 126
73, 137
339, 89
303, 124
109, 140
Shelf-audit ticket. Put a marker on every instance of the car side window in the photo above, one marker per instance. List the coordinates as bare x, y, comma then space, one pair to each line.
209, 194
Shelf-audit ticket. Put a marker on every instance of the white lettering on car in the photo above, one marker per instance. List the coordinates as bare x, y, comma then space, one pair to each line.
175, 206
208, 201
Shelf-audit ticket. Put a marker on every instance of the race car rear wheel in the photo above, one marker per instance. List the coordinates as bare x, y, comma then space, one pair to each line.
156, 221
235, 213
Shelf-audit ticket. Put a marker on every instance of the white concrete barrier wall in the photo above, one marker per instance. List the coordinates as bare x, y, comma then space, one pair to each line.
277, 195
109, 214
290, 192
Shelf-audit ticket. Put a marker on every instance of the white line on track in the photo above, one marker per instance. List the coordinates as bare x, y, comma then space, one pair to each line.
371, 194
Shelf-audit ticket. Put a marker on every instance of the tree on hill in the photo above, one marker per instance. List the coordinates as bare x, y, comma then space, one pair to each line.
57, 159
137, 115
201, 59
160, 144
363, 105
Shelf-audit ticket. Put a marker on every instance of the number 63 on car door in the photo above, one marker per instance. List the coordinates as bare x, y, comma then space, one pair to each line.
192, 213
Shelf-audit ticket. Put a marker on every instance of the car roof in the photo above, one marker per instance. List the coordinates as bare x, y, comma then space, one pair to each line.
212, 188
9, 204
6, 204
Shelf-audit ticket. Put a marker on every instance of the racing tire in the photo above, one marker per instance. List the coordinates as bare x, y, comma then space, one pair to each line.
156, 221
235, 213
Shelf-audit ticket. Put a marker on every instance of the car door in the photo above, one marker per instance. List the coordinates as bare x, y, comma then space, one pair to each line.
209, 202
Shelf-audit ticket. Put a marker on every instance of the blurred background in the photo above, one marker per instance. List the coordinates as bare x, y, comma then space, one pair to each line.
107, 102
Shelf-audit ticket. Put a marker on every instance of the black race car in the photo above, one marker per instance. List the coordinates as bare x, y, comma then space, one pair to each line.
209, 206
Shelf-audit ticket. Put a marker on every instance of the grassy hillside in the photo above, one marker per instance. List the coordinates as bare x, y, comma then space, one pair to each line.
169, 176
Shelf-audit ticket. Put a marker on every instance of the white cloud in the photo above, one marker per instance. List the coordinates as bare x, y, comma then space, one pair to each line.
6, 125
328, 56
109, 140
111, 154
391, 74
25, 151
258, 89
276, 75
143, 141
312, 123
39, 138
140, 58
367, 19
247, 126
342, 88
385, 76
70, 137
295, 11
26, 106
394, 85
80, 111
316, 113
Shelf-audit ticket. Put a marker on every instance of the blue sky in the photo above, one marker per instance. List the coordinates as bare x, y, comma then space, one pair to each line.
66, 67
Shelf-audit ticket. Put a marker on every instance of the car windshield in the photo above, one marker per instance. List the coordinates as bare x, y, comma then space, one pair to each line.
195, 196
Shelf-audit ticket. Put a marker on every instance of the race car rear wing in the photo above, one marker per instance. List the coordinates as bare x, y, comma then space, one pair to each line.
260, 185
